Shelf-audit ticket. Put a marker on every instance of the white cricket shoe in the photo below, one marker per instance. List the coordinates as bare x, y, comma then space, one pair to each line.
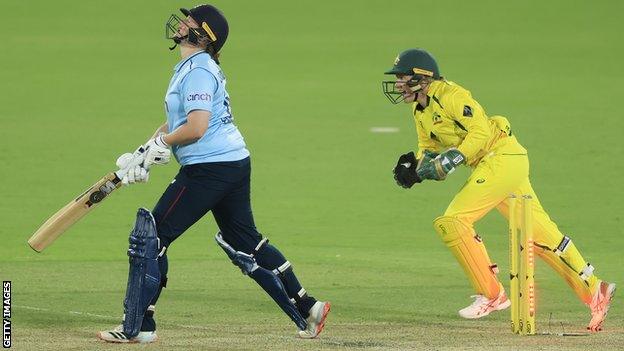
599, 305
316, 320
118, 336
482, 306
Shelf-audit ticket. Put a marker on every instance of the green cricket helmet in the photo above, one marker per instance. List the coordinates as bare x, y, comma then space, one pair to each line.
417, 63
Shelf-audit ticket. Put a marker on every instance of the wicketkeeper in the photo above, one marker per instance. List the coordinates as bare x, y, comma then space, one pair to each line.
454, 130
214, 177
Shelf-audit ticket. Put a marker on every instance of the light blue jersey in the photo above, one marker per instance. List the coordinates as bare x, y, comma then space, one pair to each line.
199, 84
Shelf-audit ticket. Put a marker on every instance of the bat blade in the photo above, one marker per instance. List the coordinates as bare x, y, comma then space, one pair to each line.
73, 212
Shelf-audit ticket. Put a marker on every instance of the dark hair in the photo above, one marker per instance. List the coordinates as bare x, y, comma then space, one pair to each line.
211, 51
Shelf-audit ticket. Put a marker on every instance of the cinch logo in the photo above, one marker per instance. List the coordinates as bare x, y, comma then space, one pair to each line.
6, 314
193, 97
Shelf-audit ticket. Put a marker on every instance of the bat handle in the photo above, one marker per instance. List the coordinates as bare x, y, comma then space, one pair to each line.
139, 152
121, 173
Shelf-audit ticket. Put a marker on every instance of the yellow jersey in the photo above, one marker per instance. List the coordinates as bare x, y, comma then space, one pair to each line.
453, 119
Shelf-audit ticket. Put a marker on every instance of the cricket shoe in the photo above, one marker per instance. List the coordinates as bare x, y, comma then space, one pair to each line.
118, 336
599, 305
482, 306
316, 320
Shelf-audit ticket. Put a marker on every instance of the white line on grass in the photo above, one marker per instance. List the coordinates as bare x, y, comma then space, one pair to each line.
91, 314
69, 312
384, 130
31, 308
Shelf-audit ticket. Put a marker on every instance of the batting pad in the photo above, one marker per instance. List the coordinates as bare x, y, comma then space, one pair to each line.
468, 249
568, 262
144, 274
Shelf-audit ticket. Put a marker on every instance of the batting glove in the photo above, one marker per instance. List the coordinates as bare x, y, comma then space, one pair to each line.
132, 166
157, 152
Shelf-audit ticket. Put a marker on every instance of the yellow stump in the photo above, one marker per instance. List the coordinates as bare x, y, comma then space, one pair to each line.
528, 286
522, 265
513, 266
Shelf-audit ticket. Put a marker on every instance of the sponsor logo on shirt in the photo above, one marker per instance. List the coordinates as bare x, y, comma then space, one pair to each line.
436, 118
195, 97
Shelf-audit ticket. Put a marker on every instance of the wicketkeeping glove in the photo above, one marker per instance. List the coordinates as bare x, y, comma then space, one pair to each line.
427, 157
441, 166
405, 171
157, 152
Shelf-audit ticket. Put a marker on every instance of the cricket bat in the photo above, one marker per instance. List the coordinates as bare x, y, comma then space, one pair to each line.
75, 210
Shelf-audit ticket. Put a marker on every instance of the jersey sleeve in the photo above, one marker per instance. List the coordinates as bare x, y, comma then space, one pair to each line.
470, 115
197, 90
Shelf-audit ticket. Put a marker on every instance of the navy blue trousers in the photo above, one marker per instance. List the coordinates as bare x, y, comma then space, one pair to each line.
220, 187
224, 189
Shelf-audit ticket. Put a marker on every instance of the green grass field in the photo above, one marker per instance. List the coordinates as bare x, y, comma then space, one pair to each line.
84, 81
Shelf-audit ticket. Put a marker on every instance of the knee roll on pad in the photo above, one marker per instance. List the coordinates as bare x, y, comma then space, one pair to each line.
282, 269
261, 244
269, 257
246, 262
144, 277
468, 249
451, 230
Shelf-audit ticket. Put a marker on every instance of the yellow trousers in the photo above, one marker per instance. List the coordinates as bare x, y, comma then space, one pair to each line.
503, 172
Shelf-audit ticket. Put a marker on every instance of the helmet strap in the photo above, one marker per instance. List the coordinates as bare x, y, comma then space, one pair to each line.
418, 84
416, 88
